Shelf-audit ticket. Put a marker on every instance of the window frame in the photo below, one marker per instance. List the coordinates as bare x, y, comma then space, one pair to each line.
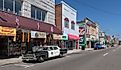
66, 22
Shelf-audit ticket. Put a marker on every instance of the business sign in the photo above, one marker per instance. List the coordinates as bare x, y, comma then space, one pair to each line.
82, 30
57, 37
64, 37
7, 31
82, 41
36, 34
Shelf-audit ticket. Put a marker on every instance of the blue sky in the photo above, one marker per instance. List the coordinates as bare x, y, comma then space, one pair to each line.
105, 12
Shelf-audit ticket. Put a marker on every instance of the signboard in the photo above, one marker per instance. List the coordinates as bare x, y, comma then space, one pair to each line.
7, 31
82, 41
57, 37
36, 34
82, 30
65, 37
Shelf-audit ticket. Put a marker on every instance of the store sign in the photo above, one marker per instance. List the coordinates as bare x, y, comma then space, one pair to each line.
82, 41
36, 34
7, 31
57, 37
65, 37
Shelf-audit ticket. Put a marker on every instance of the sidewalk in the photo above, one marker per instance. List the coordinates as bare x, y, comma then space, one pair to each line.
10, 61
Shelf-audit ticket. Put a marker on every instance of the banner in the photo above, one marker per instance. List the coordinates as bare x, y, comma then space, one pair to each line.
7, 31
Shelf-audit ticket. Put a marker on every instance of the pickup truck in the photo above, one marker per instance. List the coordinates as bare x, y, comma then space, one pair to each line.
43, 53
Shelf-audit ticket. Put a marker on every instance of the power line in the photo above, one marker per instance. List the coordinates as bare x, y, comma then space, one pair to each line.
95, 8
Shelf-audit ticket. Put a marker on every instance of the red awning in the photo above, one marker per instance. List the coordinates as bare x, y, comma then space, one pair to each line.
73, 37
12, 20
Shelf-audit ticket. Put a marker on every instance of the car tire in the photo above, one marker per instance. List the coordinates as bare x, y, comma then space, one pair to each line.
41, 59
61, 55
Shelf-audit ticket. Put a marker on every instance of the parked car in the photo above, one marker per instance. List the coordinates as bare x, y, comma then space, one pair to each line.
104, 46
43, 53
98, 46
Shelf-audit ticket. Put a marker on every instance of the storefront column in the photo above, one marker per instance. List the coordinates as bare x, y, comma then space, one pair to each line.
22, 36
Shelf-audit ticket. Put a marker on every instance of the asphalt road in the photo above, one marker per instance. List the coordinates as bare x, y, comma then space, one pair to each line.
108, 59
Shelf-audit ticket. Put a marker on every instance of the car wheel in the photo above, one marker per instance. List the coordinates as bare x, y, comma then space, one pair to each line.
41, 59
61, 55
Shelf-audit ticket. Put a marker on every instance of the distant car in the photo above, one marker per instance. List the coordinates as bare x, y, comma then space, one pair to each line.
98, 46
104, 46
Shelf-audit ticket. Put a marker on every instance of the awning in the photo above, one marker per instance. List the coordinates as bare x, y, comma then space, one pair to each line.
73, 37
12, 20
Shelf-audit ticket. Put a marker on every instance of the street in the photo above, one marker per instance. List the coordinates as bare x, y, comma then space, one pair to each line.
106, 59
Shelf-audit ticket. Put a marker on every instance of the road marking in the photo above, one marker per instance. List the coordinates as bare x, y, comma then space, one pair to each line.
105, 54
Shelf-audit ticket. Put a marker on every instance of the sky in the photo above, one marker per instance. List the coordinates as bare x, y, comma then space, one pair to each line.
107, 13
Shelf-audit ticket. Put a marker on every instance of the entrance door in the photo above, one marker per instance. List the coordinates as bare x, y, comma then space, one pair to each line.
3, 46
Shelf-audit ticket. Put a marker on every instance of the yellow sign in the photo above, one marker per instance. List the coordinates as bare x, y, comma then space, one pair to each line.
7, 31
57, 37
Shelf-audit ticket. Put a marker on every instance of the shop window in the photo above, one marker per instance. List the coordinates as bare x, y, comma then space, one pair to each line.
1, 4
66, 22
37, 13
73, 25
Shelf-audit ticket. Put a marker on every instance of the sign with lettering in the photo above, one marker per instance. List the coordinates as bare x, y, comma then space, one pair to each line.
57, 37
36, 34
7, 31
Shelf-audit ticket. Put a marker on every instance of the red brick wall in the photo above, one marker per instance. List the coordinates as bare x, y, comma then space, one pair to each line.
58, 16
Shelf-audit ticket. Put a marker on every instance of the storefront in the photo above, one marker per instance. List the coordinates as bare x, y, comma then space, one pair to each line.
22, 28
70, 41
73, 41
57, 40
38, 38
7, 42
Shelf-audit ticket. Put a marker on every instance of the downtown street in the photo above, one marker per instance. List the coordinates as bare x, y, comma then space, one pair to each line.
105, 59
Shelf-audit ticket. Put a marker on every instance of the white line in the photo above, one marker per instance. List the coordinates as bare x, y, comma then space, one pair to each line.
105, 54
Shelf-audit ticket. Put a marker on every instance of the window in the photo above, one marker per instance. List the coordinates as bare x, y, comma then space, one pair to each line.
51, 48
33, 12
11, 6
66, 22
18, 5
38, 13
1, 4
8, 5
73, 25
55, 48
43, 15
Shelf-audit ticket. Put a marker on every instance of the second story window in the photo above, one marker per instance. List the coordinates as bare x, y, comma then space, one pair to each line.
38, 13
73, 25
8, 5
13, 6
66, 22
1, 4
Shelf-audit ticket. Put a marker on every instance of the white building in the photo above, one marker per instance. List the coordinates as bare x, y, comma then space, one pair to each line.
43, 10
67, 22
